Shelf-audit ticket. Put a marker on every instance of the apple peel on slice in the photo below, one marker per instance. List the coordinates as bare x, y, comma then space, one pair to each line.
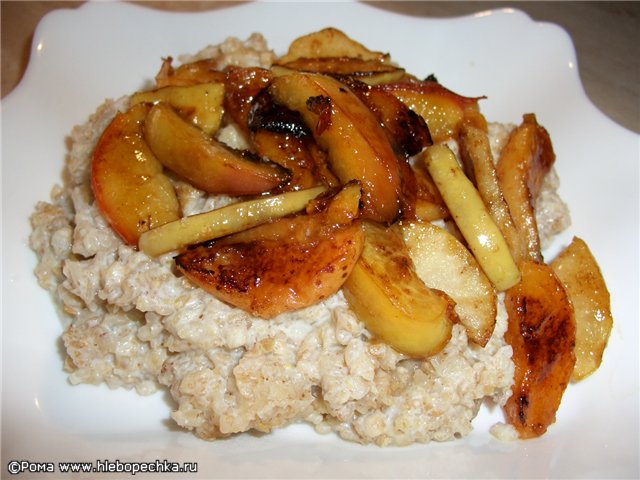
357, 146
224, 221
201, 104
130, 188
524, 161
444, 263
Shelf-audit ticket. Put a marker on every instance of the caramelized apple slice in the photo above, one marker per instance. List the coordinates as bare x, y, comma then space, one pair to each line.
429, 203
387, 294
224, 221
472, 218
479, 165
371, 72
581, 277
407, 133
442, 262
329, 42
285, 265
542, 333
356, 143
242, 87
525, 160
194, 73
200, 104
442, 109
407, 130
204, 162
130, 189
290, 153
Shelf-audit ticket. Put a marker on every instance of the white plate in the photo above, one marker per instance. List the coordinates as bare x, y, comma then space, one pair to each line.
80, 57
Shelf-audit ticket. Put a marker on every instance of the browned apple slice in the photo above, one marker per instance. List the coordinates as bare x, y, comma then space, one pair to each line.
442, 109
582, 279
130, 189
280, 135
408, 132
386, 294
479, 165
193, 73
371, 72
442, 262
242, 87
524, 161
204, 162
200, 104
290, 153
472, 218
223, 221
285, 265
542, 333
429, 203
357, 145
329, 42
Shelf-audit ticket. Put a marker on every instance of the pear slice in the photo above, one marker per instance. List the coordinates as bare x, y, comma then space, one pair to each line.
387, 294
130, 189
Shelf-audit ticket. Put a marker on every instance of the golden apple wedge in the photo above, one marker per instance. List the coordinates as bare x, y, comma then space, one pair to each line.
204, 162
581, 277
429, 203
443, 263
371, 72
285, 265
524, 162
407, 131
290, 153
443, 110
130, 189
472, 218
192, 73
243, 86
224, 221
479, 166
201, 104
542, 332
329, 42
386, 293
357, 146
